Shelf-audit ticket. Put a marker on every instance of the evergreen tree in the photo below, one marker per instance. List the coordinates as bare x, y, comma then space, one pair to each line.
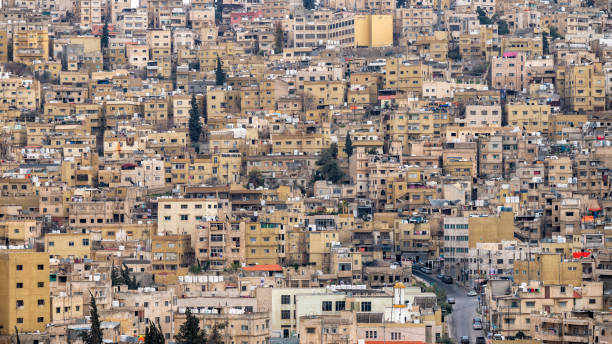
104, 45
94, 335
215, 335
348, 145
256, 45
545, 48
482, 17
328, 163
115, 277
255, 178
454, 53
154, 335
123, 277
205, 110
309, 4
190, 332
104, 38
195, 126
279, 37
502, 27
218, 12
219, 73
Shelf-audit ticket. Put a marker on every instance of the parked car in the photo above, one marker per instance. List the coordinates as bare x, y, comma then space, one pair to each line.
451, 300
481, 340
465, 340
472, 293
441, 277
426, 270
447, 280
477, 326
498, 336
476, 319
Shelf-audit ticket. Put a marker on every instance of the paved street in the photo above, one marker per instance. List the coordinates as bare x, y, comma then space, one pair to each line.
464, 308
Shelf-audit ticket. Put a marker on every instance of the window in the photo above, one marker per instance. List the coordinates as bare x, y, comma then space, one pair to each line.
19, 303
530, 303
366, 306
592, 301
327, 306
40, 319
285, 314
19, 285
310, 330
40, 267
340, 305
19, 267
20, 320
41, 284
41, 302
285, 299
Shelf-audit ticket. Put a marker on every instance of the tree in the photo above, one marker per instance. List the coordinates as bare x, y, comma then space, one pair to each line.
554, 33
189, 332
219, 73
215, 335
309, 4
127, 279
115, 276
454, 53
218, 12
154, 334
279, 39
256, 45
205, 110
348, 145
328, 163
520, 335
94, 335
195, 126
482, 17
256, 178
105, 35
233, 268
545, 48
502, 27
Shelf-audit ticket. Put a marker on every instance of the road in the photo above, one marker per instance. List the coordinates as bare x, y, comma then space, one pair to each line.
464, 309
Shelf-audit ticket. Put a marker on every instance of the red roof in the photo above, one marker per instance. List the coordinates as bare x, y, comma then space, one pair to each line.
263, 267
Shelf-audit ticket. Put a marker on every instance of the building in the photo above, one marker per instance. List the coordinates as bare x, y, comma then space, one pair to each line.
25, 291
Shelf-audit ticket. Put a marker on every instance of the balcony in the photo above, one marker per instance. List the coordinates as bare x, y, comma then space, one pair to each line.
576, 338
549, 336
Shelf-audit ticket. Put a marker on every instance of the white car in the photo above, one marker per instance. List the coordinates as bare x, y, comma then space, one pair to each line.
472, 293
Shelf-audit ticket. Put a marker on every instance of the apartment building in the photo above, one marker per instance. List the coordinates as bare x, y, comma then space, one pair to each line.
508, 71
90, 13
582, 86
532, 117
25, 291
30, 45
